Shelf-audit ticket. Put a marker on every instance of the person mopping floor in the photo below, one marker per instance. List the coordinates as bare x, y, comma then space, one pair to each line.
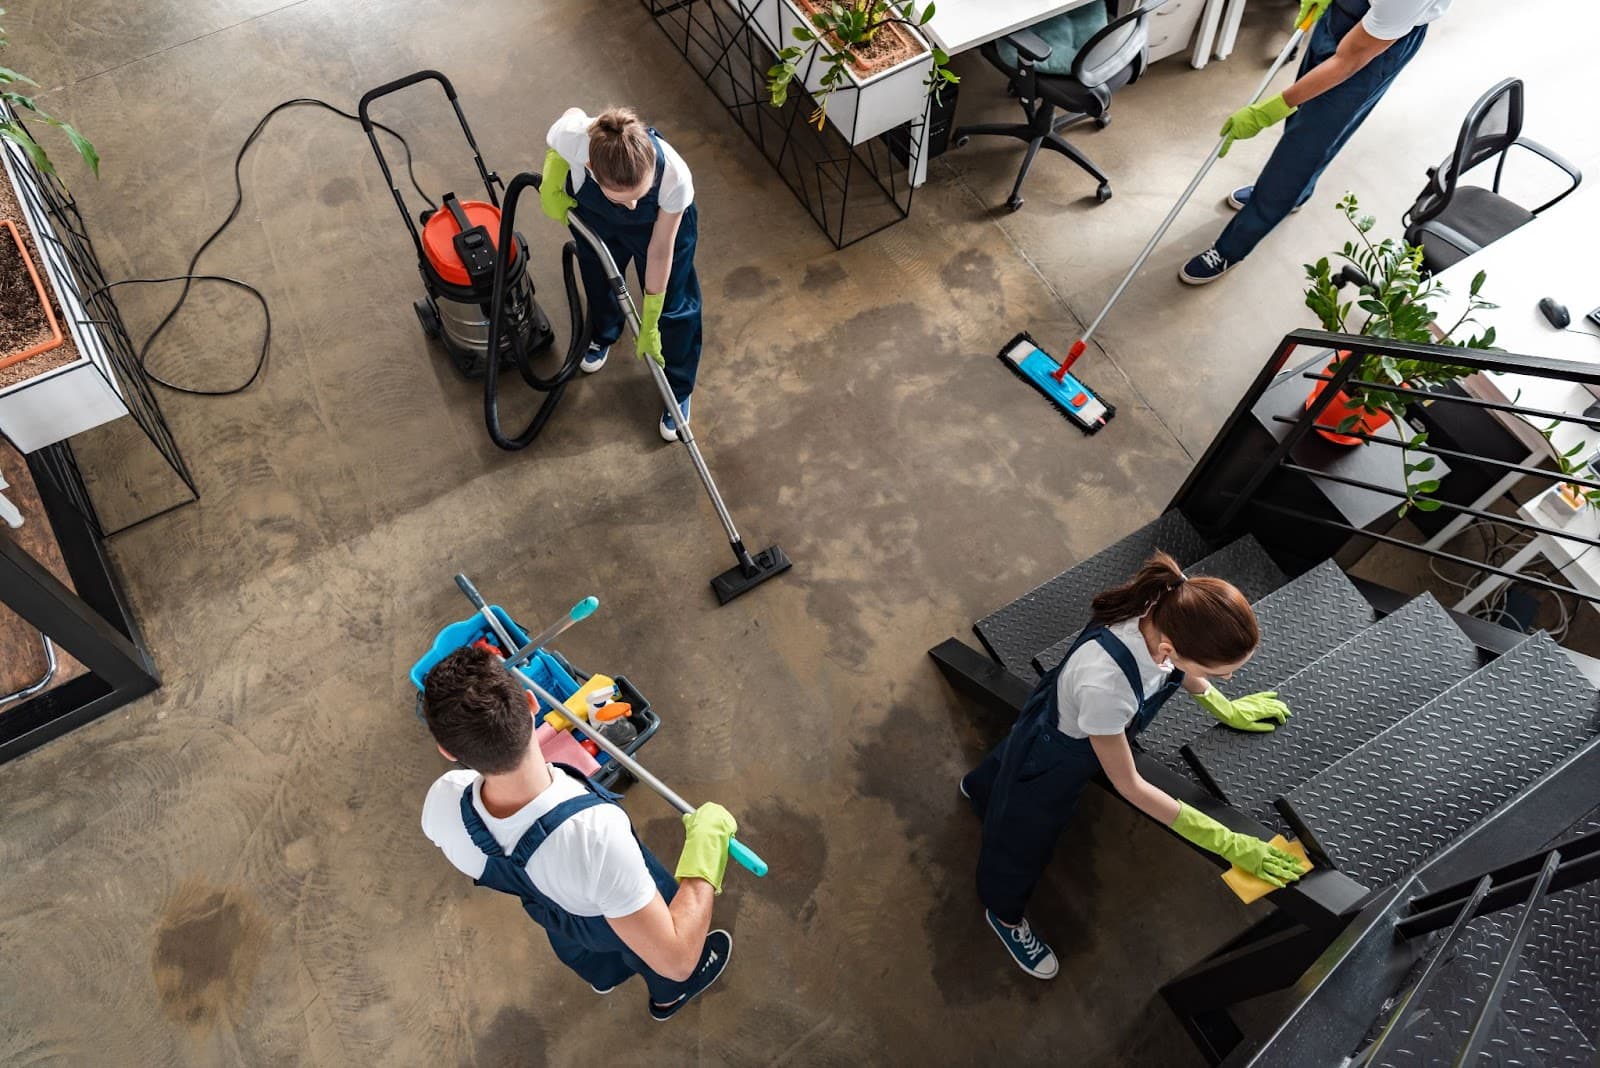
547, 835
1356, 51
1146, 639
636, 193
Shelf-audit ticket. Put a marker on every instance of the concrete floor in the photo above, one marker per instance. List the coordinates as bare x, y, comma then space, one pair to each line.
231, 871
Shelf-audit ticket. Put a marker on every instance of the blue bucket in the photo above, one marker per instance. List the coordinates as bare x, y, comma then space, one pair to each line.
543, 668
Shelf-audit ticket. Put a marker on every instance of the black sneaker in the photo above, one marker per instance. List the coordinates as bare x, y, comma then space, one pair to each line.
713, 959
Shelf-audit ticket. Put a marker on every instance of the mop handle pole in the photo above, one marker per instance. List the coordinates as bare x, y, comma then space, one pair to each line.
736, 849
576, 614
1194, 183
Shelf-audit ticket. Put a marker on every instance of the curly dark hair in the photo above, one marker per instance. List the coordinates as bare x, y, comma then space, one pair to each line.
478, 711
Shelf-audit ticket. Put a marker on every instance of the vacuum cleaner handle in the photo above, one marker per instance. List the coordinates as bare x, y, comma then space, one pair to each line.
362, 111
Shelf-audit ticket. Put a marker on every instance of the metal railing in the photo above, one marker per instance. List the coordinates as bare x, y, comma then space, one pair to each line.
1217, 479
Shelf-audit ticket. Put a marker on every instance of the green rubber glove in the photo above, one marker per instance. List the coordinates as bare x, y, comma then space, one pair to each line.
1312, 9
1261, 859
1252, 119
553, 195
706, 831
1252, 712
649, 340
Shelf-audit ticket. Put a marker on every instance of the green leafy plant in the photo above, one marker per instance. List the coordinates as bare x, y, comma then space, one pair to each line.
13, 130
843, 29
1392, 299
1572, 468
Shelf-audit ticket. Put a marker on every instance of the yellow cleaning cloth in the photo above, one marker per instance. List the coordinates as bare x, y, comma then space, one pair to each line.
578, 703
1248, 887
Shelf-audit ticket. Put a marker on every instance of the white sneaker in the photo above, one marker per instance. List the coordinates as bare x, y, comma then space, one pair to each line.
669, 425
594, 359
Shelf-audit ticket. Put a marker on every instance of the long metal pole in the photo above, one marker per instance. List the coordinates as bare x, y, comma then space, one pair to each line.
1161, 231
619, 286
737, 850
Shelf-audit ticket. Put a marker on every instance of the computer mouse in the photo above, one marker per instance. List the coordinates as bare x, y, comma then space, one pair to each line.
1555, 312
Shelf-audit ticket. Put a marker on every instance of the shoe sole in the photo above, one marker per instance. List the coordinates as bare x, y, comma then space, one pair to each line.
961, 787
1025, 969
1186, 279
667, 435
1238, 205
591, 369
684, 1004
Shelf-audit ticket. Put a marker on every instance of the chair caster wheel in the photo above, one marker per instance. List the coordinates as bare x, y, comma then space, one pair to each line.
961, 142
1103, 194
1102, 121
1013, 203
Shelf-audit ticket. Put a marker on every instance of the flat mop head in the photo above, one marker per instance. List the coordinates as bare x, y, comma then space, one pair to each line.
1071, 397
750, 572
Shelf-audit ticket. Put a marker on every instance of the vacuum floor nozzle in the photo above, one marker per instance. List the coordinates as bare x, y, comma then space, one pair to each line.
740, 579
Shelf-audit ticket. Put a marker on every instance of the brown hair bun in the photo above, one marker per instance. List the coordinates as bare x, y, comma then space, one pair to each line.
620, 153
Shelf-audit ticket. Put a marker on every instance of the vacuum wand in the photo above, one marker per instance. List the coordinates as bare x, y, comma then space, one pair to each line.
1082, 343
737, 850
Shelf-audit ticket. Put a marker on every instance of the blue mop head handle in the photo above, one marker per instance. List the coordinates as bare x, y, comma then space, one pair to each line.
584, 609
747, 857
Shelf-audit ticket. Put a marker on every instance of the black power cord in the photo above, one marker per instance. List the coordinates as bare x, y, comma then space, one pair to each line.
188, 278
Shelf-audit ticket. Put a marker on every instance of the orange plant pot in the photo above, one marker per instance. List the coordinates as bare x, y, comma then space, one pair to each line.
55, 337
1339, 409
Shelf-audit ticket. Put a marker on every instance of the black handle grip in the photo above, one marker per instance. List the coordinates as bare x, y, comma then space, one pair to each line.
466, 587
398, 84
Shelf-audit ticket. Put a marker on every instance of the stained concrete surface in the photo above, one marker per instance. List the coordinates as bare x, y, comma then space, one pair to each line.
230, 871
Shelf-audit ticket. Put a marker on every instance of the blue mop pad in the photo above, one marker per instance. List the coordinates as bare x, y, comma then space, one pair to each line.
1075, 400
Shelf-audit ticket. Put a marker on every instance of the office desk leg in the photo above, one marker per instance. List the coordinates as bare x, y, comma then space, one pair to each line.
1462, 521
1493, 582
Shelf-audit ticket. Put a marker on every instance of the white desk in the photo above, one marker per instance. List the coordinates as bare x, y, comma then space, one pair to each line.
960, 25
1549, 257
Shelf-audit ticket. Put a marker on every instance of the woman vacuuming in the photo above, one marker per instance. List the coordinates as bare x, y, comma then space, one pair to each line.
1160, 631
637, 195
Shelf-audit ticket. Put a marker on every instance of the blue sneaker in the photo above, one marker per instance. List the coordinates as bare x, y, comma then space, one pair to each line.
594, 359
669, 425
1241, 196
713, 959
1031, 955
1206, 267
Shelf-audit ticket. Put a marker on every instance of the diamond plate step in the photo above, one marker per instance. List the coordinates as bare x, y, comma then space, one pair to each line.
1532, 1027
1300, 622
1387, 806
1058, 607
1242, 562
1564, 944
1393, 667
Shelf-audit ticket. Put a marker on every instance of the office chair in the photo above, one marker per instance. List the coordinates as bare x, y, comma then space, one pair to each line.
1115, 56
1450, 220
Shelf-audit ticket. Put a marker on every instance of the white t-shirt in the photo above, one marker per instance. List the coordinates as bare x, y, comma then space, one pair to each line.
1390, 20
590, 866
570, 137
1093, 692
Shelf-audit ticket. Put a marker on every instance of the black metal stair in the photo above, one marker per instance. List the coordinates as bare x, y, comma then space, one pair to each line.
1058, 608
1391, 803
1242, 562
1300, 622
1336, 703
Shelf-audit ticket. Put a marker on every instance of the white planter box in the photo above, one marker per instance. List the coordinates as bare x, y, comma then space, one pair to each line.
863, 109
72, 398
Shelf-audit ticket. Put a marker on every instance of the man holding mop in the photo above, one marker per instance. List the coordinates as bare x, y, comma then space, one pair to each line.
547, 835
1356, 50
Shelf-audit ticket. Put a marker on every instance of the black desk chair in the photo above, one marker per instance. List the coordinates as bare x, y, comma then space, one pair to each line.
1115, 56
1451, 220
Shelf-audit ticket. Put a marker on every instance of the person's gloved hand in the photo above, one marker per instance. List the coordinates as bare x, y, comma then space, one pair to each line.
553, 195
1252, 119
1313, 8
649, 340
1252, 712
1260, 858
706, 831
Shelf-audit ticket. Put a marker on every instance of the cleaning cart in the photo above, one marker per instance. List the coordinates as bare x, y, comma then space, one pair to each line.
552, 672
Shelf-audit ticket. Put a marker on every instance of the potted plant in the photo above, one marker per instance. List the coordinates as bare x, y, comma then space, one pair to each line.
55, 371
870, 45
1392, 300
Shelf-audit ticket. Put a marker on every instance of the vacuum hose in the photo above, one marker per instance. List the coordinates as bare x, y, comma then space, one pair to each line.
555, 385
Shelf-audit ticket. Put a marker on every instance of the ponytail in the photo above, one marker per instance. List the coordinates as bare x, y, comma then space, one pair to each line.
1206, 619
620, 152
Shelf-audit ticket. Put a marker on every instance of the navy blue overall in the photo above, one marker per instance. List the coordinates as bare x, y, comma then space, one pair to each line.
1025, 790
627, 234
1317, 130
586, 944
